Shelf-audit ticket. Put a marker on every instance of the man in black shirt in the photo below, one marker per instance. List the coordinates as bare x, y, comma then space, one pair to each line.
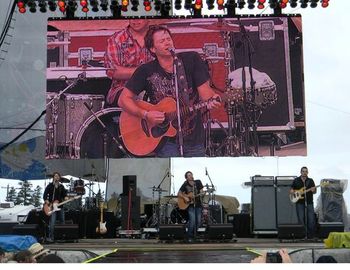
190, 192
55, 192
157, 79
303, 181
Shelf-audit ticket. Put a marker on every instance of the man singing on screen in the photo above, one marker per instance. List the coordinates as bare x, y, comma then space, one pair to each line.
157, 79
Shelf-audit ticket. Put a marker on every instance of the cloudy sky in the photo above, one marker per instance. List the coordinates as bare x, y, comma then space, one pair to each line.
326, 58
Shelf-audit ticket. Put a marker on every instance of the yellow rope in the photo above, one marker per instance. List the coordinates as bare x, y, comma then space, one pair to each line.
100, 256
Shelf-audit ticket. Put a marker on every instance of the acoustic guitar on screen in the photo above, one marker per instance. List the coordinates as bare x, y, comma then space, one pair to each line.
141, 139
300, 193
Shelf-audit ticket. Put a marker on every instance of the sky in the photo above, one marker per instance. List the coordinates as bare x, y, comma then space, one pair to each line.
326, 39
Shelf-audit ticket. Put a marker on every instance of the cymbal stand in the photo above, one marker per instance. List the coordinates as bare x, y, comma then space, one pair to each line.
155, 218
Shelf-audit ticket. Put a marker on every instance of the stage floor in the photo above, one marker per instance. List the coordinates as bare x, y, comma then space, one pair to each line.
155, 251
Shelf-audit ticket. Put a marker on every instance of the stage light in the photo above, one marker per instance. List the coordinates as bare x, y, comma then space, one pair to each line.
325, 3
94, 5
198, 4
293, 3
178, 4
251, 4
43, 6
135, 5
104, 5
241, 4
61, 3
188, 4
147, 5
72, 5
273, 4
303, 3
261, 4
313, 3
167, 5
157, 5
125, 3
283, 3
220, 2
32, 6
21, 4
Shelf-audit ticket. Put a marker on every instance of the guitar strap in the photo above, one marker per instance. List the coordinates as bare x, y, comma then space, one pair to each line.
182, 80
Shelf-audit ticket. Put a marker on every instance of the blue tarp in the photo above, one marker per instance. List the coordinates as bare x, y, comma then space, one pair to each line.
14, 243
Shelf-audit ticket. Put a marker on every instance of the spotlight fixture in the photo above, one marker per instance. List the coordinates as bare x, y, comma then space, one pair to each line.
178, 4
251, 4
325, 3
303, 3
135, 5
241, 4
104, 5
293, 3
157, 5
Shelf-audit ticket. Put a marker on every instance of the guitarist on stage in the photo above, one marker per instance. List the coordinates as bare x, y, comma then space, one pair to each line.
190, 192
156, 78
55, 192
306, 183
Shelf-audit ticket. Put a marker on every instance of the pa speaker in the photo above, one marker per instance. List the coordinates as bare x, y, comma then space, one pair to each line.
28, 229
66, 232
172, 232
220, 232
129, 184
291, 231
327, 227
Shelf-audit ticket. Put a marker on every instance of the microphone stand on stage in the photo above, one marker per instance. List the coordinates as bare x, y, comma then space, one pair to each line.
211, 195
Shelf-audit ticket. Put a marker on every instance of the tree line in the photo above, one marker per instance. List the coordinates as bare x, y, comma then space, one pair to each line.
25, 194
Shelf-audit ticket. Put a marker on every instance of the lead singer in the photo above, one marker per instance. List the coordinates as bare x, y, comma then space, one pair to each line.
156, 78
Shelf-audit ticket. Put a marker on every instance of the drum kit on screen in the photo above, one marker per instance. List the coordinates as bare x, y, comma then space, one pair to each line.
247, 93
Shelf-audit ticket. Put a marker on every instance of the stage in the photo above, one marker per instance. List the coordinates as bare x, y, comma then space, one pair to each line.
129, 250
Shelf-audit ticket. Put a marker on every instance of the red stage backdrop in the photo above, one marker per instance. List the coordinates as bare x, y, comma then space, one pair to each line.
77, 78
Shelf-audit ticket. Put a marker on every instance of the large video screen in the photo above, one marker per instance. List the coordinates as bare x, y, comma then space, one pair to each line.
194, 87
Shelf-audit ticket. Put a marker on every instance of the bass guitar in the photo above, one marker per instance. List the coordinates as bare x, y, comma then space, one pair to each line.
101, 228
183, 204
300, 193
48, 209
141, 139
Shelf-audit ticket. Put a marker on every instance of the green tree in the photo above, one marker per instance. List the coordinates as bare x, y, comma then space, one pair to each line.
37, 196
25, 193
11, 196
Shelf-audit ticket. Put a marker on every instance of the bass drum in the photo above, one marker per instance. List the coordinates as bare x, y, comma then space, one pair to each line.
179, 216
89, 142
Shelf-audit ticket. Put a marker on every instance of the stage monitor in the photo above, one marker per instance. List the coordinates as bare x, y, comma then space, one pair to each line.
172, 87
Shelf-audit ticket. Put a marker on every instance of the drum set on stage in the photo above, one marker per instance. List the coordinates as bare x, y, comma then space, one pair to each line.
77, 188
165, 209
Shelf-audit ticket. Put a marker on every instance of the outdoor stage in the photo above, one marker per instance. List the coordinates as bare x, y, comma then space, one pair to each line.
155, 251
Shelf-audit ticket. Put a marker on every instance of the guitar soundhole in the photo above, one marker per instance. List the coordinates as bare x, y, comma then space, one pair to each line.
158, 130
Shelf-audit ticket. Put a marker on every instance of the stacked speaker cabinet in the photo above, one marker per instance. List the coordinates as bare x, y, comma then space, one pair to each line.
263, 205
286, 210
130, 204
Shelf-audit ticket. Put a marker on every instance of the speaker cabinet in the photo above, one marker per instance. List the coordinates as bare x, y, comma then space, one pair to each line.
129, 183
172, 232
291, 231
134, 218
286, 212
263, 205
28, 229
220, 232
216, 214
66, 232
325, 228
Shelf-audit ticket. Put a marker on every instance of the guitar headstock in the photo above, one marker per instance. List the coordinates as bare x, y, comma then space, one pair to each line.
233, 95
